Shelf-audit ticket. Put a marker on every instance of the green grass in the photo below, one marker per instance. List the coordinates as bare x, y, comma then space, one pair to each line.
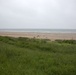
24, 56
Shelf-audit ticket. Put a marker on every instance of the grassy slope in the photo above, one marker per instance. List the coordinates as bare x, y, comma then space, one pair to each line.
23, 56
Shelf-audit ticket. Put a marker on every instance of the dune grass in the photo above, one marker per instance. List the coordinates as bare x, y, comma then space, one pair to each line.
24, 56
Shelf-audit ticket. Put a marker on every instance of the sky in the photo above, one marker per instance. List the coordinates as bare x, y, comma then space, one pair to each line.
46, 14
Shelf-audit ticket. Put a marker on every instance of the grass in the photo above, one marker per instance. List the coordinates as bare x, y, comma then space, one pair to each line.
24, 56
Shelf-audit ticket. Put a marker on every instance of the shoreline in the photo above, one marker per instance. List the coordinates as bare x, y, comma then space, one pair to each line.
50, 36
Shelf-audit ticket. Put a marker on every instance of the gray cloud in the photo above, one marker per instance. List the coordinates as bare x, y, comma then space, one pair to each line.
38, 14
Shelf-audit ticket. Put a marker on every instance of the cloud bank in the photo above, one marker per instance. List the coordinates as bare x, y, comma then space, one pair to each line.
50, 14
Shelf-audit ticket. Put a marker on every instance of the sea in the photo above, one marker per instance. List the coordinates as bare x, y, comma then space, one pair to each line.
40, 30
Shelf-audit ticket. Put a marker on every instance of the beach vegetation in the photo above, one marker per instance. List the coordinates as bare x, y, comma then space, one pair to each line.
30, 56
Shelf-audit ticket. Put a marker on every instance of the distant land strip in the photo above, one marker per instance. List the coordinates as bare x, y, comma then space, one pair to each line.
51, 36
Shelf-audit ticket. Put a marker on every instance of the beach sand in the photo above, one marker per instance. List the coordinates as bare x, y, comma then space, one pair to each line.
51, 36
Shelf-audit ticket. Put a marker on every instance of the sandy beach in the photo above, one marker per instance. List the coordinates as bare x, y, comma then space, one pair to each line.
51, 36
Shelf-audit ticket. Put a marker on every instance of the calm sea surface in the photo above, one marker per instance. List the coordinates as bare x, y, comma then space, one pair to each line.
40, 30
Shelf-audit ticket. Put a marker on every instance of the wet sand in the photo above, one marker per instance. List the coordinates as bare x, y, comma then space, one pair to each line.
51, 36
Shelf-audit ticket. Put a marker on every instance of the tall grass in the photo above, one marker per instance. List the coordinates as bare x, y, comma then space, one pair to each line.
24, 56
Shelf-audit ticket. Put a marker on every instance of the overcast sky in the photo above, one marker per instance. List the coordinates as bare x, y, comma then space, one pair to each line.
38, 14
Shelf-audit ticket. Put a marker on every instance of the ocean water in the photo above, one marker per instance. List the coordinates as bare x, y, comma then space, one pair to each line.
40, 30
